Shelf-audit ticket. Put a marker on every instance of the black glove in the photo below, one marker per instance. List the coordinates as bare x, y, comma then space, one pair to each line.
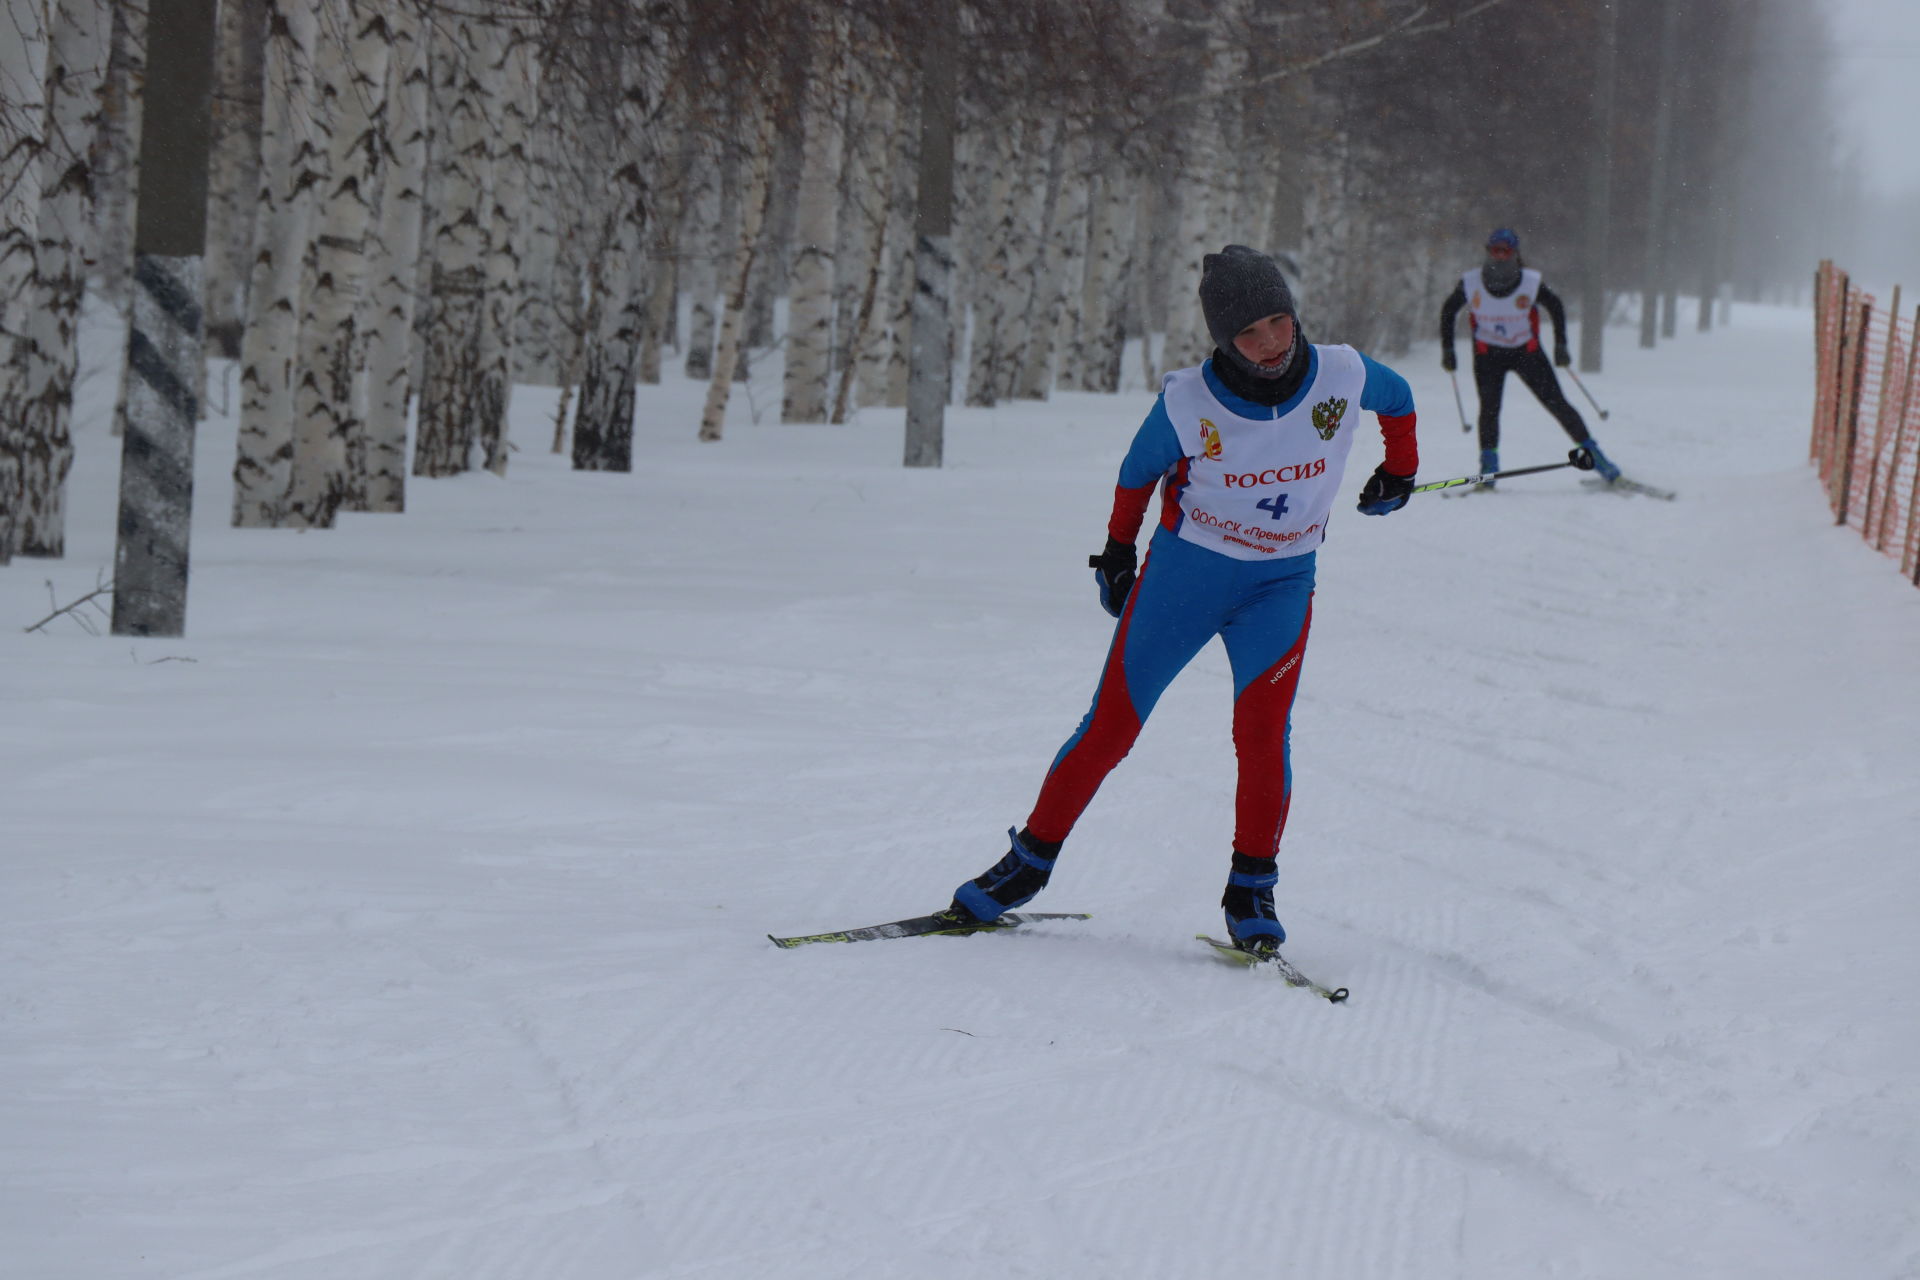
1113, 573
1562, 356
1384, 492
1447, 361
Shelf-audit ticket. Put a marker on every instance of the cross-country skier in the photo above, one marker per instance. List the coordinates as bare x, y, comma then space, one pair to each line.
1248, 448
1503, 298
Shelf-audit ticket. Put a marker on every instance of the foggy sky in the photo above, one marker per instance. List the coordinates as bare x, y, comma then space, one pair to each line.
1876, 66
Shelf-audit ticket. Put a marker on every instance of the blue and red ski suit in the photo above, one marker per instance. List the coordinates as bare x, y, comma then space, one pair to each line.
1187, 593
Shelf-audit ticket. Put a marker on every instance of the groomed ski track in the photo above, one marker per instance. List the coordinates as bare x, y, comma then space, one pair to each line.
408, 918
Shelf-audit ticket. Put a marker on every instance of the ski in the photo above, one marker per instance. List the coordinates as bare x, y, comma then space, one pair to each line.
940, 923
1624, 485
1233, 954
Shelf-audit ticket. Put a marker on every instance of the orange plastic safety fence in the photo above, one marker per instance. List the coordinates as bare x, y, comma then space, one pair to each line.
1865, 444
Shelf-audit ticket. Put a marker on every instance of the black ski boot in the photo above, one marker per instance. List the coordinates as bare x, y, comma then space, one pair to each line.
1010, 882
1248, 904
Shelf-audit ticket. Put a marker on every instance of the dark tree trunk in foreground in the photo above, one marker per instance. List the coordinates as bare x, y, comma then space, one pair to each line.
164, 342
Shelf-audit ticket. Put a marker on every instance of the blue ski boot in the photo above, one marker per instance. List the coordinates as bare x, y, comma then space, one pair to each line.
1248, 904
1489, 463
1601, 464
1010, 882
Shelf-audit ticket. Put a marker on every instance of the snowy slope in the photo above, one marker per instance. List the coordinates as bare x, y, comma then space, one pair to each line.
406, 919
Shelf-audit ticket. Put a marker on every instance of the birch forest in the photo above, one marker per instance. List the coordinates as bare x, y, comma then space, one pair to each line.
416, 207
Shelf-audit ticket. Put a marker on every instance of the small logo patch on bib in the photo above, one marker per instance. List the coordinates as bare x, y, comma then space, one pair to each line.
1327, 415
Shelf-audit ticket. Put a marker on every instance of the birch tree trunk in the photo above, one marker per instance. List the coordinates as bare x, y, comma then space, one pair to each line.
36, 385
23, 112
1204, 197
990, 265
1658, 202
868, 181
536, 336
1062, 269
1140, 284
117, 152
603, 420
662, 278
466, 53
1098, 341
1109, 350
931, 360
978, 163
394, 271
884, 380
330, 398
701, 260
234, 170
1009, 276
514, 104
263, 466
811, 281
1026, 275
155, 516
755, 197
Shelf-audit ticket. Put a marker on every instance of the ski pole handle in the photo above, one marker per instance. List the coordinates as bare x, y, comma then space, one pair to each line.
1588, 394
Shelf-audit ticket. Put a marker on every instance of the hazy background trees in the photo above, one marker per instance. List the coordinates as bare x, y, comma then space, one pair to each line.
418, 205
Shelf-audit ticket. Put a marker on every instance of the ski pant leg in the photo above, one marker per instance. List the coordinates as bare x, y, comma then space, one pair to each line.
1537, 373
1177, 605
1266, 640
1489, 380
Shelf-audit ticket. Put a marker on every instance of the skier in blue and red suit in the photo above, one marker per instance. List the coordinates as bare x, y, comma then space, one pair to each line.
1248, 448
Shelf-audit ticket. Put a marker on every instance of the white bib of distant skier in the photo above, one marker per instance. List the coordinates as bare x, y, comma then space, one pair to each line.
1261, 488
1502, 322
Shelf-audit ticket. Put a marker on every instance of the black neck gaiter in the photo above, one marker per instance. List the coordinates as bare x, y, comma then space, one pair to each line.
1500, 275
1267, 391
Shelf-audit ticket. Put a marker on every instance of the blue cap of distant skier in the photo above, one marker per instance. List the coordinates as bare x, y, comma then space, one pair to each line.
1503, 241
1249, 310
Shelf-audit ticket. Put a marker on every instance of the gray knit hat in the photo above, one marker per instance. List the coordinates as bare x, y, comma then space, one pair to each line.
1238, 286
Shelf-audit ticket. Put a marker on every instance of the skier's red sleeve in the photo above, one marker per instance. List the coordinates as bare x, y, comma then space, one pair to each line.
1129, 510
1403, 451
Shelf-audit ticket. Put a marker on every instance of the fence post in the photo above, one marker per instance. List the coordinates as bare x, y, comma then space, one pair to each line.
1839, 317
1883, 402
1853, 412
1844, 442
1836, 387
1900, 437
1910, 551
1822, 354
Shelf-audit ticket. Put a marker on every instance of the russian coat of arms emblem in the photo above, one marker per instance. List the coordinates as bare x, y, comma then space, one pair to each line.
1327, 415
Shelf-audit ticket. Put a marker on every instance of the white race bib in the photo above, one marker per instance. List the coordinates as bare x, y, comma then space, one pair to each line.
1502, 322
1262, 488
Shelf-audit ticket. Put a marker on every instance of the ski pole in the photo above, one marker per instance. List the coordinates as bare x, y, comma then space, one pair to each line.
1588, 394
1460, 405
1579, 459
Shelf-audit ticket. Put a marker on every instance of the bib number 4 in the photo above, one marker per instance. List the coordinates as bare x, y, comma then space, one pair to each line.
1275, 507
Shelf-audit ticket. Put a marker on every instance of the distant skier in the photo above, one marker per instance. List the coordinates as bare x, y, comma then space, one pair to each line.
1249, 448
1503, 298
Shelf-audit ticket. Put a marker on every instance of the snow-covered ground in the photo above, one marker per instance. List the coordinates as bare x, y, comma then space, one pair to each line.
407, 918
